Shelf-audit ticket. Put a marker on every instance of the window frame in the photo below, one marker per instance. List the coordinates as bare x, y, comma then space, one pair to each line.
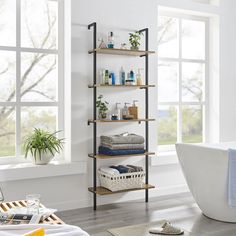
18, 158
179, 104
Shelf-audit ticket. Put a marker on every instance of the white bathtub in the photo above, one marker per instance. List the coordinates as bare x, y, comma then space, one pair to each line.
205, 168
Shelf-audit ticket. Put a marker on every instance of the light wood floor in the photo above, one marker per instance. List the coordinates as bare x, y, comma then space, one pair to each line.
179, 209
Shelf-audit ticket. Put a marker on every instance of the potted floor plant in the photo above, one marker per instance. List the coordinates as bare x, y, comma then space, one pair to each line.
134, 40
102, 107
42, 146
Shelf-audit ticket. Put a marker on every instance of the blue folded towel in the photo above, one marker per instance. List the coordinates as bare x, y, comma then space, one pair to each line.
111, 152
232, 178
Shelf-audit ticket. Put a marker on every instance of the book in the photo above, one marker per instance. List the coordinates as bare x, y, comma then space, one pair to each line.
16, 219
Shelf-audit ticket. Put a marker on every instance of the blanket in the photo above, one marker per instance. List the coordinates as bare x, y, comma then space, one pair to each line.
52, 230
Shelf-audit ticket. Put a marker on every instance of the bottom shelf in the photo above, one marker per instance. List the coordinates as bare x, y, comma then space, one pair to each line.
103, 191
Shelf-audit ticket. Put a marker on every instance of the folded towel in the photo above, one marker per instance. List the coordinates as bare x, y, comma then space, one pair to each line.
109, 170
121, 169
232, 178
52, 230
124, 138
110, 152
122, 146
136, 168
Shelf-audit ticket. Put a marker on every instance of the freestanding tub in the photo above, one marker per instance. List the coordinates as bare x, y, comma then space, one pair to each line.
205, 168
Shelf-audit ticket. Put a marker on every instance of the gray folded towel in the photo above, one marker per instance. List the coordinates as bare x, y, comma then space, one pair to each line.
122, 146
136, 168
124, 138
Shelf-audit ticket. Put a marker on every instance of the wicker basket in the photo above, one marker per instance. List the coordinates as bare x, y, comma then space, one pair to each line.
121, 181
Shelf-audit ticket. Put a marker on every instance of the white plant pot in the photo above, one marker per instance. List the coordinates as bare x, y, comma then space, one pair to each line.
45, 159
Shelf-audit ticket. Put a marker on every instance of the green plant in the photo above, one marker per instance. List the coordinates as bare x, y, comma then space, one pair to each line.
134, 39
41, 142
102, 106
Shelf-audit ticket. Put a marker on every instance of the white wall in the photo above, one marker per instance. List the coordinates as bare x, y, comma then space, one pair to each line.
66, 192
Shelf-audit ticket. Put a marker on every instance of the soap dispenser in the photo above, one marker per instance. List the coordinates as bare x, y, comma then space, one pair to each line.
125, 111
118, 111
133, 110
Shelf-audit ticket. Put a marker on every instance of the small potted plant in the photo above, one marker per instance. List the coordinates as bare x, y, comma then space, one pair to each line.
102, 107
42, 146
134, 40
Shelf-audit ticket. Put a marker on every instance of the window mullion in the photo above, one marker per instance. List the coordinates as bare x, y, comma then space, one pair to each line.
18, 78
179, 125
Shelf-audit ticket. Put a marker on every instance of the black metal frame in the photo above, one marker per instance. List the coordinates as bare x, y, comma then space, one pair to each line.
94, 25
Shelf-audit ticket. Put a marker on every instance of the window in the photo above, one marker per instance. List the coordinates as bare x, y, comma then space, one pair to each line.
31, 71
182, 79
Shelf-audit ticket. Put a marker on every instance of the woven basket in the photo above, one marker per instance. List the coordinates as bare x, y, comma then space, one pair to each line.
121, 181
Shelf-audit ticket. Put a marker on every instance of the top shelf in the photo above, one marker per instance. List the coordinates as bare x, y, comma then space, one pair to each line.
116, 51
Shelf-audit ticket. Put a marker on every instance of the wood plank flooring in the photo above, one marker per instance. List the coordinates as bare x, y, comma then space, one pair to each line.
179, 209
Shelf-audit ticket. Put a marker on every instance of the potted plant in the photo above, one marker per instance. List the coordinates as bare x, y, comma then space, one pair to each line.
42, 146
102, 107
134, 39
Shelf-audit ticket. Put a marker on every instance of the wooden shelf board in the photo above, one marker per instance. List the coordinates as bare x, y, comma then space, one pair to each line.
103, 191
117, 51
119, 121
101, 156
121, 86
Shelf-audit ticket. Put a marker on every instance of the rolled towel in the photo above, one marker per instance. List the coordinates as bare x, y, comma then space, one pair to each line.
122, 169
123, 138
109, 170
122, 146
136, 168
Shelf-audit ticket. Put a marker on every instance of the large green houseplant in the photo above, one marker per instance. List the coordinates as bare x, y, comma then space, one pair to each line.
42, 146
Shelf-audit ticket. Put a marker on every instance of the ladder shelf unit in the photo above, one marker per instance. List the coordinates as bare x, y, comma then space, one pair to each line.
98, 190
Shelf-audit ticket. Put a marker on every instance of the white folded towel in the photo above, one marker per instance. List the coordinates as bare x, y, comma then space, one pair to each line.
52, 230
109, 170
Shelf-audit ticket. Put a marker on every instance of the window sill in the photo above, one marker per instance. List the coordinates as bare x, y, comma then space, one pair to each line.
165, 158
22, 171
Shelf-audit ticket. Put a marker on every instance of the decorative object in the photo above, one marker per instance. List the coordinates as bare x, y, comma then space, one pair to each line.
134, 40
42, 145
123, 46
102, 107
102, 43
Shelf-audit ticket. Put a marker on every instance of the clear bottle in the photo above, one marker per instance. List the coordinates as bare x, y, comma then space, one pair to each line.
139, 77
125, 111
111, 41
118, 111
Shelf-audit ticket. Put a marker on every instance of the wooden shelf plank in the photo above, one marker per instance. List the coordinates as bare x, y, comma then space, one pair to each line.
121, 86
101, 156
103, 191
117, 51
119, 121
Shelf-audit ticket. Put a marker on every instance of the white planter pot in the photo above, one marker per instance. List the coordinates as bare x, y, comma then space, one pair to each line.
45, 159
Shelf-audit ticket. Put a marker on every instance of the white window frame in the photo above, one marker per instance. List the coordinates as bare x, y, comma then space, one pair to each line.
180, 60
18, 158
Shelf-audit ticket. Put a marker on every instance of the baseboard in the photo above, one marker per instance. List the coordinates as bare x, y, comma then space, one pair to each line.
138, 195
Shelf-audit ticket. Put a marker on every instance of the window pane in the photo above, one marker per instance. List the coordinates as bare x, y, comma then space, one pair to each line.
168, 43
193, 82
39, 77
8, 22
37, 117
39, 23
7, 76
167, 125
7, 131
168, 73
192, 124
193, 39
